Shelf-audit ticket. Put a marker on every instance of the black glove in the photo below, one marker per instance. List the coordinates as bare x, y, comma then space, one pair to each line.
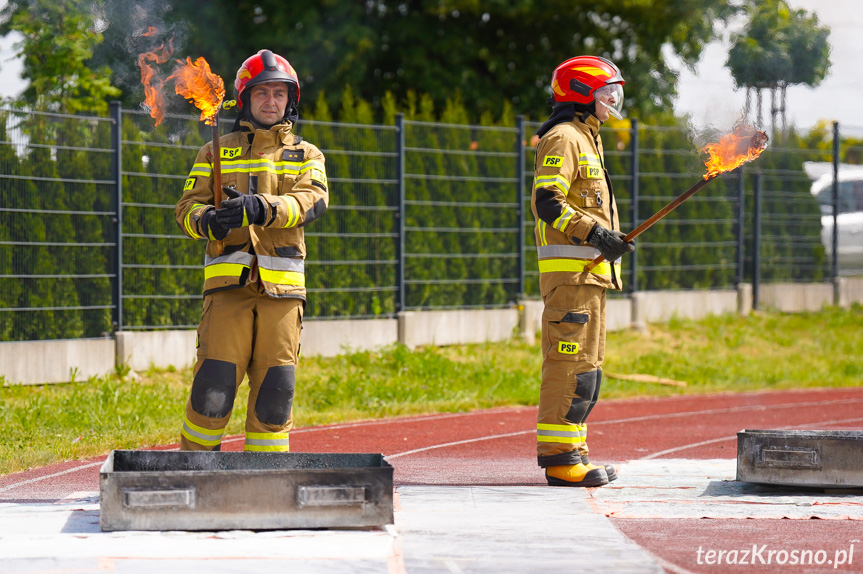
211, 227
610, 243
241, 210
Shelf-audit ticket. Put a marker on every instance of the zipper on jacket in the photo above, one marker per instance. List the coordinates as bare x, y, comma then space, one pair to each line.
610, 197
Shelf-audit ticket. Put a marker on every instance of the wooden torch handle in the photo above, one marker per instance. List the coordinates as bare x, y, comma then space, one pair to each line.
656, 217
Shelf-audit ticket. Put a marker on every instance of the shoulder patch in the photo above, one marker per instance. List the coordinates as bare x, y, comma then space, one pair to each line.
319, 176
293, 155
190, 183
552, 161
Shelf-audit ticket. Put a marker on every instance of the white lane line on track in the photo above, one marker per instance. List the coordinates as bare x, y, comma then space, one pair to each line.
727, 410
492, 437
734, 437
466, 441
47, 476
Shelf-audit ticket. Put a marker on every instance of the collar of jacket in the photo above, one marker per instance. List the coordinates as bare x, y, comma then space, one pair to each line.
277, 133
591, 124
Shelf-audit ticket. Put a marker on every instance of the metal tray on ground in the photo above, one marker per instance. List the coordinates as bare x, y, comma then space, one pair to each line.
171, 490
811, 458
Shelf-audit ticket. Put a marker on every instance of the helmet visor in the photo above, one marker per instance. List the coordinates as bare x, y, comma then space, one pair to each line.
611, 96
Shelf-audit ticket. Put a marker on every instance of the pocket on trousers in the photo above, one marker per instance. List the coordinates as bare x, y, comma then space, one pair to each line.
564, 335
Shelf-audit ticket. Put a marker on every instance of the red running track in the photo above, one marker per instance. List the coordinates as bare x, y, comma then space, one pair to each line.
496, 447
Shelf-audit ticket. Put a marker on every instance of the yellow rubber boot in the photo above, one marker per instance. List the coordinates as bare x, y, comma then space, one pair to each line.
575, 475
609, 470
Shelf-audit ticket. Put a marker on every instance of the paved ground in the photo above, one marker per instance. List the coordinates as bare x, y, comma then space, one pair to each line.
470, 499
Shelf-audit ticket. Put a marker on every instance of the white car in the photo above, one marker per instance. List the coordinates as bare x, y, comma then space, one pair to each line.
850, 219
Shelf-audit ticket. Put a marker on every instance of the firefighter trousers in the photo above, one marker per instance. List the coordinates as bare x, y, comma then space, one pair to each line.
244, 332
573, 348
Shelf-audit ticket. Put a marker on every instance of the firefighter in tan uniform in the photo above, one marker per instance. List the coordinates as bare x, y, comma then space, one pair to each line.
577, 220
254, 291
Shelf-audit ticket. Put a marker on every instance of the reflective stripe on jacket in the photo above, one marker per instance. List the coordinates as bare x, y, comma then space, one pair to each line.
571, 193
289, 174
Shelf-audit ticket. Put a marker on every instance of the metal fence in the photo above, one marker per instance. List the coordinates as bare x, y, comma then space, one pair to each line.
422, 215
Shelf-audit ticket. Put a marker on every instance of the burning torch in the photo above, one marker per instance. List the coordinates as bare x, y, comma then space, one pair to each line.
195, 82
743, 145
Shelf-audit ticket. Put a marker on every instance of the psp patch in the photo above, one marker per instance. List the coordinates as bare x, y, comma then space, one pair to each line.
552, 161
190, 183
318, 176
566, 348
231, 152
593, 172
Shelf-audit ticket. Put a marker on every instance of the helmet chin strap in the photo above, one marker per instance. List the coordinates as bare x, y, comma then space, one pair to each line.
612, 111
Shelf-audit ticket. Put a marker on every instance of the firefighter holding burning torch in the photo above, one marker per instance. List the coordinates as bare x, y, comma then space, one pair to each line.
576, 221
254, 286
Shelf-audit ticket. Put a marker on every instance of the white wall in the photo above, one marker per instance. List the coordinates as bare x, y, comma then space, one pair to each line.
37, 362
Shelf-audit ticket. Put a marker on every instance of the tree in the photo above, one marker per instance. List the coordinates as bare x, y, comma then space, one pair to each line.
779, 47
489, 52
59, 37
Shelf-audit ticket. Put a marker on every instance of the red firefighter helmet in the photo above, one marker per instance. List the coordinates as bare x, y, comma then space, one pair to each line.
265, 66
576, 79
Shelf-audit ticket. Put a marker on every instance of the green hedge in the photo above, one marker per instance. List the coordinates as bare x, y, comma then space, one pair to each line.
458, 179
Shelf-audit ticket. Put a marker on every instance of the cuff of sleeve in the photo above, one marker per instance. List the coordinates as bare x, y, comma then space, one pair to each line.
193, 222
580, 229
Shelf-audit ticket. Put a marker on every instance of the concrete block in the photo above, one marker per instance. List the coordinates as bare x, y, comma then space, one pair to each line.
638, 306
141, 350
744, 298
850, 291
331, 338
530, 319
795, 297
38, 362
417, 328
618, 314
661, 306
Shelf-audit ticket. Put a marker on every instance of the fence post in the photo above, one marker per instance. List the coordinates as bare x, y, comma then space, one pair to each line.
116, 175
633, 195
400, 215
741, 217
519, 198
756, 245
834, 264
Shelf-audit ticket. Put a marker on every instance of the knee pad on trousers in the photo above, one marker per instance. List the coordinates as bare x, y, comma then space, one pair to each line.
595, 393
276, 396
214, 388
585, 390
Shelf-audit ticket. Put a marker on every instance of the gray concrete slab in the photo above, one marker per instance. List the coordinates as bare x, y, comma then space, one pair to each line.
682, 488
523, 529
37, 537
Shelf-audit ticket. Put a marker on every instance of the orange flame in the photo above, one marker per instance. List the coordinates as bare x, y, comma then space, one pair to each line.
150, 31
744, 144
152, 83
195, 82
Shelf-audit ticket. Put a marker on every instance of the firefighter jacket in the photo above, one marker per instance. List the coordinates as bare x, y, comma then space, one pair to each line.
288, 173
571, 193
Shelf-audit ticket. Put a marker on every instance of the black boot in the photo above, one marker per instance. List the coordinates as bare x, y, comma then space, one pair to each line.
609, 470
